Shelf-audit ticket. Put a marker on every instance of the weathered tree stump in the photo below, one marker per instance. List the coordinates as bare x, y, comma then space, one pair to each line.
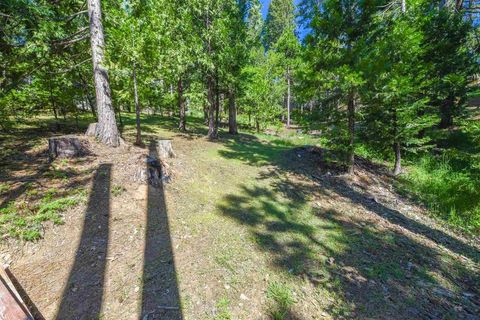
152, 171
92, 127
67, 147
165, 149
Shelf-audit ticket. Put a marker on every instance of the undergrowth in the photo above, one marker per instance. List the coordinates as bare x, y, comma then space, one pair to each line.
448, 190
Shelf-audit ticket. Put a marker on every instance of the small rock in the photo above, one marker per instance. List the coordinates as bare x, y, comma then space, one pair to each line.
243, 297
227, 286
137, 288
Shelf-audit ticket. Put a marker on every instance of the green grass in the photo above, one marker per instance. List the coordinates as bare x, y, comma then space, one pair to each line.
281, 300
223, 312
450, 193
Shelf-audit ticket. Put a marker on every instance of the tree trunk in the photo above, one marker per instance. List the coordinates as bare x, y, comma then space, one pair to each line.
398, 158
217, 104
232, 113
138, 140
181, 106
404, 6
351, 134
257, 124
288, 98
212, 130
446, 113
107, 131
205, 114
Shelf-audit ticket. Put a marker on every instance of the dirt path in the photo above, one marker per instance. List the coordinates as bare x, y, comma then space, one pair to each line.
242, 226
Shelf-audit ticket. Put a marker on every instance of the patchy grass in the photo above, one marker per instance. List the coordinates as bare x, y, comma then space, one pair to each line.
117, 190
223, 312
281, 300
23, 219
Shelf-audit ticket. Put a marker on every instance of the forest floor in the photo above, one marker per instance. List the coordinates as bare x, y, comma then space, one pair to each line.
249, 227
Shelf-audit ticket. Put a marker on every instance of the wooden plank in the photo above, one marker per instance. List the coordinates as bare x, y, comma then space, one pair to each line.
10, 307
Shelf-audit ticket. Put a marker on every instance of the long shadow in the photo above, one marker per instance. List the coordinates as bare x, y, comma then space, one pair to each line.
253, 151
376, 270
83, 294
379, 273
160, 293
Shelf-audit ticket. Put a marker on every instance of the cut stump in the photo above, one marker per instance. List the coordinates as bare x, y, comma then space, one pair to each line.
67, 147
92, 128
152, 171
165, 149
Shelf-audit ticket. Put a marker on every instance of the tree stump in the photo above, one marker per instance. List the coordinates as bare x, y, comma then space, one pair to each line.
165, 149
152, 171
92, 127
67, 147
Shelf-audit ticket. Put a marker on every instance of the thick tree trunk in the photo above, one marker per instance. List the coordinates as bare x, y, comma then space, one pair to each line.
181, 106
351, 134
398, 158
404, 6
107, 131
288, 97
232, 113
138, 140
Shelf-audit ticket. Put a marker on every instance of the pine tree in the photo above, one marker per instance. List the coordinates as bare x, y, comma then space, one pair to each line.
106, 131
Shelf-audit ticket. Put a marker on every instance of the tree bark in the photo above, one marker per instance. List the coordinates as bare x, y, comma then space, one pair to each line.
232, 113
107, 131
288, 97
181, 106
217, 103
212, 130
138, 140
398, 158
351, 134
446, 113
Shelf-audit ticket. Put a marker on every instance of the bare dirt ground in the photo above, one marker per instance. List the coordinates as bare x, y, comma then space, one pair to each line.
246, 229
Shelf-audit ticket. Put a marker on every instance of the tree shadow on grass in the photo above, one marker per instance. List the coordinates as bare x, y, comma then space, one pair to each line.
160, 293
83, 294
378, 266
253, 151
